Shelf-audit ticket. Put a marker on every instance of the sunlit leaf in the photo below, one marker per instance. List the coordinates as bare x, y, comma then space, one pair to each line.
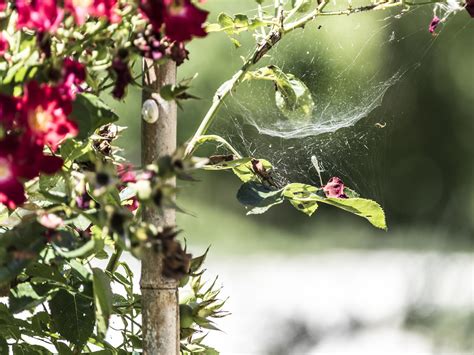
73, 314
90, 112
102, 300
292, 96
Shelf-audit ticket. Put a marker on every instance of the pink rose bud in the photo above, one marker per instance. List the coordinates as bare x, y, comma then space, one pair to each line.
433, 24
334, 188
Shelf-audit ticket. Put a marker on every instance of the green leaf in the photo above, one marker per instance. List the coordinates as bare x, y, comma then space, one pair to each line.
259, 197
80, 271
197, 262
365, 208
76, 250
73, 314
102, 300
63, 349
24, 297
73, 149
235, 25
292, 96
42, 272
298, 195
19, 247
305, 198
8, 325
225, 21
4, 346
28, 349
40, 322
90, 112
175, 92
246, 173
50, 183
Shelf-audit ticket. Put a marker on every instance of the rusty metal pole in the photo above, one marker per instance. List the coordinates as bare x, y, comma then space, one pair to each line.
160, 309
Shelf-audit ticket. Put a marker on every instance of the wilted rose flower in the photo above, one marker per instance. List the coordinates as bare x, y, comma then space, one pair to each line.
434, 24
152, 45
177, 52
123, 76
44, 112
149, 43
334, 188
4, 45
470, 7
39, 15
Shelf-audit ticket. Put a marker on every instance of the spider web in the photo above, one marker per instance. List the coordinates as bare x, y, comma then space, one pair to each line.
349, 64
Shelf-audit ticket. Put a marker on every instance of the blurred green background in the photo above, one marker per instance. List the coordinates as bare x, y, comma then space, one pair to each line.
419, 167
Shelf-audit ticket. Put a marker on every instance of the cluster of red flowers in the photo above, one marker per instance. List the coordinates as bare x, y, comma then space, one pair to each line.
47, 15
180, 20
28, 124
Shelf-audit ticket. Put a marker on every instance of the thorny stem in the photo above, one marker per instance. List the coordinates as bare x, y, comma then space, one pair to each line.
278, 30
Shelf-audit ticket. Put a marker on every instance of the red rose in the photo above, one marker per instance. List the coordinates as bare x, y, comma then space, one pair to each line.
21, 160
81, 9
182, 20
44, 112
3, 5
12, 193
39, 15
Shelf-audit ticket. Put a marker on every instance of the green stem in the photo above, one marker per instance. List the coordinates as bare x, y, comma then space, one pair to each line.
218, 139
114, 259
